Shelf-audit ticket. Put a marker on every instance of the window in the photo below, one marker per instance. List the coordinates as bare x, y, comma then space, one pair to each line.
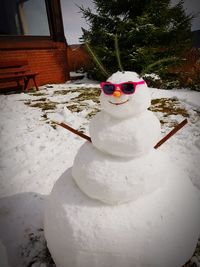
23, 17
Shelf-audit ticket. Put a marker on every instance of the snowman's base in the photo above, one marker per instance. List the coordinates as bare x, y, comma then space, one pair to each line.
159, 230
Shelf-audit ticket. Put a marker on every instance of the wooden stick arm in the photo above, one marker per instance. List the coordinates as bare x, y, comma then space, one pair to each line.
163, 140
84, 136
171, 133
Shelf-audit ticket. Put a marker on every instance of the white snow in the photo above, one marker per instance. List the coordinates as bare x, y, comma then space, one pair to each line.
129, 137
147, 186
76, 74
33, 155
84, 232
116, 180
154, 76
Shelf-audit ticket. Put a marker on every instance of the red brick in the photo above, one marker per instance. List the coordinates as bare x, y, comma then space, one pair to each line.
51, 63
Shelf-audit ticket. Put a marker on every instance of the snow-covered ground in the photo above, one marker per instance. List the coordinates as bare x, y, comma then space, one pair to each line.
34, 153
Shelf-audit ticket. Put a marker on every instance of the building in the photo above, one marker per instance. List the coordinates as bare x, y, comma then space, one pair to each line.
32, 30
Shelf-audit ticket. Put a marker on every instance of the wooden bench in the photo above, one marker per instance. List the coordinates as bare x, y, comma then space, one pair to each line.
17, 71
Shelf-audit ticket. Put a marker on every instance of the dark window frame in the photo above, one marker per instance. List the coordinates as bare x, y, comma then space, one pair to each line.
56, 29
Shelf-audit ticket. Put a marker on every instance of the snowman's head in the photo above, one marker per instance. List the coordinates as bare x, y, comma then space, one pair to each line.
124, 94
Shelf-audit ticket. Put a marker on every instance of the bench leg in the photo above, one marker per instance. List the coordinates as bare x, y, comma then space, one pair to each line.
26, 81
19, 86
35, 84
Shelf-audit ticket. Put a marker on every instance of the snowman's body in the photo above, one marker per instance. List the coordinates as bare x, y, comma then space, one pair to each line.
123, 203
130, 137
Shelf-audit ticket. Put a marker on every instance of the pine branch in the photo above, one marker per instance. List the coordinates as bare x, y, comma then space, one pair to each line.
158, 62
118, 53
97, 60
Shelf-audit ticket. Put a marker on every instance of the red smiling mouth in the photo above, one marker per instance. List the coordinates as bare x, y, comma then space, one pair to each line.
121, 103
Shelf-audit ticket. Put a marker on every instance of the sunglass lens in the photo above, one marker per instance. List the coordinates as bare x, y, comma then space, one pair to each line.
109, 89
128, 88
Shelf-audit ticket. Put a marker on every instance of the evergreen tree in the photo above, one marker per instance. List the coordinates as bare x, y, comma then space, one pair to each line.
151, 34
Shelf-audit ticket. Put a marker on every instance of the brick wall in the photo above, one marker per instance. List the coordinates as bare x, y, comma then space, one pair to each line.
78, 57
49, 60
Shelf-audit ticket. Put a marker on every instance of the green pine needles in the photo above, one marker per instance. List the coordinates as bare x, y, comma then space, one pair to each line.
151, 34
162, 61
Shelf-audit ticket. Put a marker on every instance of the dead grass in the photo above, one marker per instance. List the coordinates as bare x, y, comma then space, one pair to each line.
63, 92
76, 107
168, 106
85, 94
38, 94
164, 106
39, 99
44, 105
92, 113
88, 94
190, 263
44, 116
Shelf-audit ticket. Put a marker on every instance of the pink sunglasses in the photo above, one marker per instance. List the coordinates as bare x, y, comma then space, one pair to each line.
127, 88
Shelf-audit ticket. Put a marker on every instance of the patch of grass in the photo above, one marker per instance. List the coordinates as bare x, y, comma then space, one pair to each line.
192, 262
38, 94
44, 116
39, 99
26, 102
76, 107
43, 105
171, 124
77, 103
81, 129
197, 111
92, 113
88, 94
168, 106
52, 124
85, 94
162, 122
67, 91
62, 92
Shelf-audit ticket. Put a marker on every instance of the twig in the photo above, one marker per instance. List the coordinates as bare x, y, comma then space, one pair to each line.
163, 140
117, 51
176, 129
97, 60
158, 62
73, 130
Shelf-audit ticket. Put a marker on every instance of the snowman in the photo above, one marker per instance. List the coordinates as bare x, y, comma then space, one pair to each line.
122, 203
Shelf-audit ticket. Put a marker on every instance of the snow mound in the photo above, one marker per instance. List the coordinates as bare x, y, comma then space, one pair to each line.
114, 180
159, 230
126, 138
